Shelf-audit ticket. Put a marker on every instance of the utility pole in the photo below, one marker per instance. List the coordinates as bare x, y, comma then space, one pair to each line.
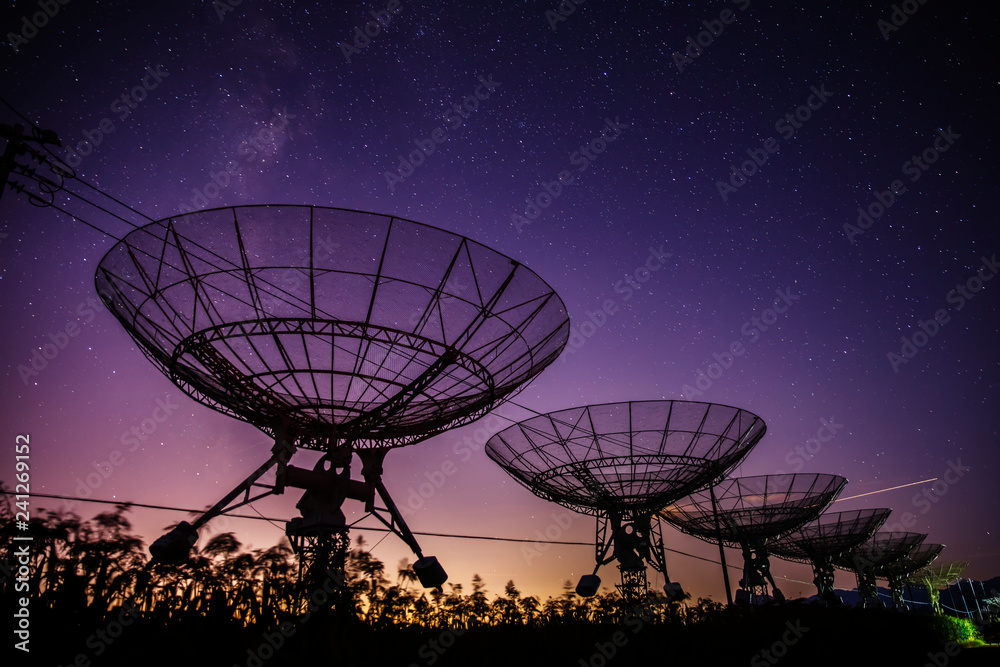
17, 144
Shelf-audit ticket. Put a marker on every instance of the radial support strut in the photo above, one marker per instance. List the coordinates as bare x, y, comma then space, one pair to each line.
319, 536
175, 546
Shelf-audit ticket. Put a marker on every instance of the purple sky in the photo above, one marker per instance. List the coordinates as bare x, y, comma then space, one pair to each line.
186, 109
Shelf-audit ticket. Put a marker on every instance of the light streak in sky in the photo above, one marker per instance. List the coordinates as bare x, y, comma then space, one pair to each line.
893, 488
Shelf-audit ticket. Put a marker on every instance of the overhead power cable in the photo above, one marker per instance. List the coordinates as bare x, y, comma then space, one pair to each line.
64, 172
69, 173
376, 529
373, 529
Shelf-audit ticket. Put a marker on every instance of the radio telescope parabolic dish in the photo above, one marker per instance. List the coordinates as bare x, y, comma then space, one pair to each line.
936, 577
755, 508
622, 462
883, 548
335, 330
832, 534
746, 512
626, 457
866, 559
941, 575
921, 556
355, 327
828, 536
899, 570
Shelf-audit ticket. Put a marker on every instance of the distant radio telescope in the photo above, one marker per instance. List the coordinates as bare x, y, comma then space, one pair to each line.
867, 558
936, 577
898, 571
747, 512
831, 535
622, 463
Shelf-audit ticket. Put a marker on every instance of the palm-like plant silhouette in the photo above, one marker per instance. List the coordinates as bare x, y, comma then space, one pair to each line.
91, 569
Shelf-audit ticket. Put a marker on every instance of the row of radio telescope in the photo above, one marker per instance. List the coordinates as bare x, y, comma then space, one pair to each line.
353, 333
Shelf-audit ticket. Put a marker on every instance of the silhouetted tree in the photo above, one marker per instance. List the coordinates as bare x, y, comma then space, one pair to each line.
89, 569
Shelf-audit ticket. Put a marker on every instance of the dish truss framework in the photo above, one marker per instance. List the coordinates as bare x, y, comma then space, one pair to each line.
936, 577
340, 331
746, 512
867, 558
823, 539
898, 571
622, 462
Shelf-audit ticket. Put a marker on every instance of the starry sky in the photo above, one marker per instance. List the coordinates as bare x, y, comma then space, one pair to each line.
692, 197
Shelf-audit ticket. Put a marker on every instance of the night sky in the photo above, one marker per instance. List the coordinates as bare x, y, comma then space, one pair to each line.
598, 149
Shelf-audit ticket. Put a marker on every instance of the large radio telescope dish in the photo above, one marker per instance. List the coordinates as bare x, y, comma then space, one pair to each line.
348, 327
868, 558
622, 462
921, 556
746, 512
831, 534
756, 508
883, 548
821, 540
626, 457
941, 575
937, 577
335, 330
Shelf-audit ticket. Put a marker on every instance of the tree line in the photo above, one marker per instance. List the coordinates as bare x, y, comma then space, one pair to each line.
90, 568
